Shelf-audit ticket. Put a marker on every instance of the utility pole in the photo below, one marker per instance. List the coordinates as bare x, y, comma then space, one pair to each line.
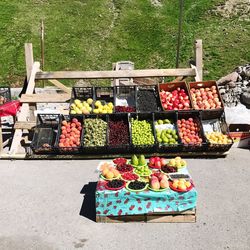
181, 3
42, 46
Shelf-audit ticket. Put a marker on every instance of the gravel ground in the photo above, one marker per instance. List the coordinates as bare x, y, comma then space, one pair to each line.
43, 207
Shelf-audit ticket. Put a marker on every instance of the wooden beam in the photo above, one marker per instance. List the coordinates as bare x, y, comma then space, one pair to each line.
114, 74
24, 125
44, 98
29, 60
197, 77
199, 58
61, 86
24, 111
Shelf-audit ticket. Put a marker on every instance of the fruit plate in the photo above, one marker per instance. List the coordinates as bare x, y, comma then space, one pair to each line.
115, 178
158, 190
135, 175
178, 190
114, 189
136, 190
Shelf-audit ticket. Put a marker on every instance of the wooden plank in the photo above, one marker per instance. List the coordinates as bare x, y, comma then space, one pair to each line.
24, 125
45, 98
29, 60
199, 58
61, 86
24, 111
114, 74
167, 217
197, 77
171, 218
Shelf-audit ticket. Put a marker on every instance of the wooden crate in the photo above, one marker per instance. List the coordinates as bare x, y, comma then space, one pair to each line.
171, 217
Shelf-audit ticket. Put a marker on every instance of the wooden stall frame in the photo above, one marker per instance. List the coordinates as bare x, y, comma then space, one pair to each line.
34, 73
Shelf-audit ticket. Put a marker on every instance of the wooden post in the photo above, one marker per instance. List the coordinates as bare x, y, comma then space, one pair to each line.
199, 58
42, 48
29, 60
24, 111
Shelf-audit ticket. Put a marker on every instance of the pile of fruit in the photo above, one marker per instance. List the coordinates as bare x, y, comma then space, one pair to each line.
115, 184
128, 176
189, 131
109, 172
157, 162
137, 185
205, 98
118, 132
95, 132
177, 162
103, 108
143, 170
124, 109
167, 136
70, 134
169, 169
120, 161
147, 100
175, 100
218, 138
181, 184
138, 160
124, 168
158, 181
81, 107
142, 133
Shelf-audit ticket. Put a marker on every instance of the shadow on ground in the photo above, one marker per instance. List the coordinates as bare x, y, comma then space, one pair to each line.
88, 205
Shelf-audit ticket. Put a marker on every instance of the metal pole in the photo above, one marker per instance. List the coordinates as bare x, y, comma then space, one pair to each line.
42, 46
179, 33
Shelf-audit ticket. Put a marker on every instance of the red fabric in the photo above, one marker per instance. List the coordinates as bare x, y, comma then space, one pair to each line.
9, 108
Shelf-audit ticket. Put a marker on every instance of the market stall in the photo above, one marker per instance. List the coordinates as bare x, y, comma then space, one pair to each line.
151, 191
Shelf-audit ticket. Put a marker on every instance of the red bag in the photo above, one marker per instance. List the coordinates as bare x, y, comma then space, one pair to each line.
10, 108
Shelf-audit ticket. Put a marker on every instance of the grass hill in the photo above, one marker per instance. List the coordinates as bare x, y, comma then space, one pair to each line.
90, 35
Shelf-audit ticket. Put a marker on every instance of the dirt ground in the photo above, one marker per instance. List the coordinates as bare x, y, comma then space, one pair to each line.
50, 205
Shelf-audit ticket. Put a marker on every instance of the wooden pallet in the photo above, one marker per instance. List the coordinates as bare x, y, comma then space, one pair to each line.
187, 216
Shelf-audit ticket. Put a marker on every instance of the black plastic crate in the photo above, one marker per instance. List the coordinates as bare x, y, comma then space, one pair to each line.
144, 148
146, 104
164, 147
69, 149
125, 96
5, 95
217, 121
105, 94
45, 134
82, 94
94, 149
196, 116
119, 148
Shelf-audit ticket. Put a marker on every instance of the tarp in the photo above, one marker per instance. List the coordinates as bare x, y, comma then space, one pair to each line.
10, 108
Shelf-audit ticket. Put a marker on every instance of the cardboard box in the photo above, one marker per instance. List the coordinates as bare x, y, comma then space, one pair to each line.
240, 133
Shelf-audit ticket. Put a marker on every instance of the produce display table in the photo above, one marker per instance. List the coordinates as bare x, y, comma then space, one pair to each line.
125, 205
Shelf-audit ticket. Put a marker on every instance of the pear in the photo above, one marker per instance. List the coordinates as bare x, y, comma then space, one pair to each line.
134, 160
142, 160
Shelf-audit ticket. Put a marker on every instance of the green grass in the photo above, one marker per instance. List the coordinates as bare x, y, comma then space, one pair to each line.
91, 35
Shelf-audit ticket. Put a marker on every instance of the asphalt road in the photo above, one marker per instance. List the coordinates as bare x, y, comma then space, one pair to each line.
42, 206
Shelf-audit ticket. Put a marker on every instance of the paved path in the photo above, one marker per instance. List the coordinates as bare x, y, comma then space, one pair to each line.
41, 203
